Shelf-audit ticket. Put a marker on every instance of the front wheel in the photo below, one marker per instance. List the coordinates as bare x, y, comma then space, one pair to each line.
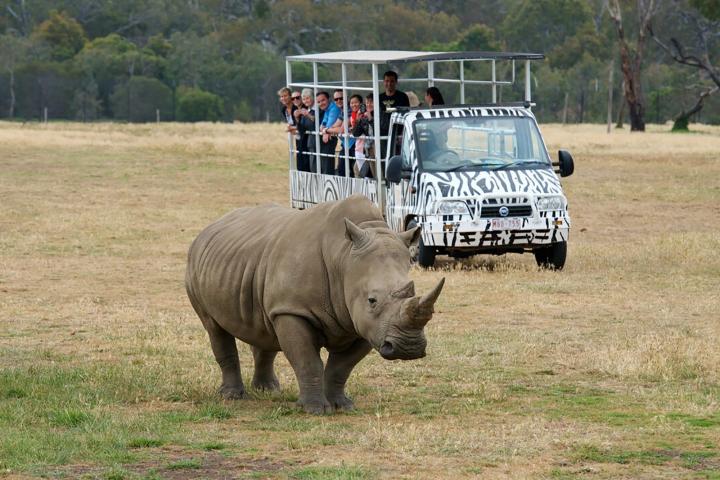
552, 257
420, 254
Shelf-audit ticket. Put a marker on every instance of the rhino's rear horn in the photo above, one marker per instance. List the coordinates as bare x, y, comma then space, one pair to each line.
406, 291
418, 311
355, 234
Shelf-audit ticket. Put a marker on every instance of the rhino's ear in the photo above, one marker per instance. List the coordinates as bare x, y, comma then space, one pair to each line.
355, 234
411, 237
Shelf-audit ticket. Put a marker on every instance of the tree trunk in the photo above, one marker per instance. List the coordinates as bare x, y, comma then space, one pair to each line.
682, 120
637, 116
621, 113
631, 61
11, 110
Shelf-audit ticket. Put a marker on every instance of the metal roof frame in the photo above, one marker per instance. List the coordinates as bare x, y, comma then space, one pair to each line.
403, 56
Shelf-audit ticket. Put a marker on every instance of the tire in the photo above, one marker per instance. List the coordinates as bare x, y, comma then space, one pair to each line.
422, 255
552, 257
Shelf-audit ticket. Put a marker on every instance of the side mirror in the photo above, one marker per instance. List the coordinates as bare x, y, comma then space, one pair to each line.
394, 171
565, 163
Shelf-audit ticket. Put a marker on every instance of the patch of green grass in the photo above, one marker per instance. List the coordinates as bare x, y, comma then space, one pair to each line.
143, 442
15, 393
702, 422
591, 453
69, 417
331, 473
190, 463
695, 459
215, 411
117, 473
213, 446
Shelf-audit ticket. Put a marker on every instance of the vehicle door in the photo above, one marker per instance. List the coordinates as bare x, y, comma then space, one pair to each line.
400, 196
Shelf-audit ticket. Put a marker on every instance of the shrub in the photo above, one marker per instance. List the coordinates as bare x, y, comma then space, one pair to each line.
195, 105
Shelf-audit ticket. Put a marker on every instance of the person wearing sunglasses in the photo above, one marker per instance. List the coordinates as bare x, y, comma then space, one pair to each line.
329, 141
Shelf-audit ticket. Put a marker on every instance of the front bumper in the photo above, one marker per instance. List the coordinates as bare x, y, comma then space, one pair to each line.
479, 234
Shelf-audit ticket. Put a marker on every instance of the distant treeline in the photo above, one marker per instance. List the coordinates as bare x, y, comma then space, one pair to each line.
223, 60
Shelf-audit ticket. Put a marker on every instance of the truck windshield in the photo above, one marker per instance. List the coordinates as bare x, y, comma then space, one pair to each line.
479, 143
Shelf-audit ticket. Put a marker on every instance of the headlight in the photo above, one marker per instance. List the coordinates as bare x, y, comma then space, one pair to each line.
452, 208
550, 203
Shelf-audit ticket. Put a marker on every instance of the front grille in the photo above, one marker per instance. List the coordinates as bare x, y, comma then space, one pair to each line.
493, 211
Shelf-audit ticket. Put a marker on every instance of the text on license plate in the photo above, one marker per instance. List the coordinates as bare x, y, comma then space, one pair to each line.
506, 224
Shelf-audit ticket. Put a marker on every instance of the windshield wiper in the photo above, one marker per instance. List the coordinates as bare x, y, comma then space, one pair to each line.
459, 167
526, 162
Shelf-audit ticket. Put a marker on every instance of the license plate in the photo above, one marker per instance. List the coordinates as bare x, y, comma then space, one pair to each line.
506, 224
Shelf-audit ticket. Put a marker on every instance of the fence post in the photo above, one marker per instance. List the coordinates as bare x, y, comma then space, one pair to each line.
45, 116
610, 95
157, 115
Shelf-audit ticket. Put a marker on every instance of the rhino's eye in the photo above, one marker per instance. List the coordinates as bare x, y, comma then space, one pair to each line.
372, 301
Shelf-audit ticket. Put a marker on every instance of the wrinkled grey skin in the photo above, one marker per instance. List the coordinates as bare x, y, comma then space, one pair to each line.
333, 276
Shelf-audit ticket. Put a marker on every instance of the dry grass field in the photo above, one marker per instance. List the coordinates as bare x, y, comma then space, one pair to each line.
609, 369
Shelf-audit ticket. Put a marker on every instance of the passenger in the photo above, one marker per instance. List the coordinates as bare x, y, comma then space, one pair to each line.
364, 149
305, 121
434, 97
296, 98
287, 109
413, 99
391, 98
329, 142
322, 101
355, 102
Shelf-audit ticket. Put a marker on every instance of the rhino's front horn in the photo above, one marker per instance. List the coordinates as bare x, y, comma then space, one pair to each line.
428, 300
418, 312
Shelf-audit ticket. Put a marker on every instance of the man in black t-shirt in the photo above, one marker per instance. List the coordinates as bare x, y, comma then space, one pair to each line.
392, 98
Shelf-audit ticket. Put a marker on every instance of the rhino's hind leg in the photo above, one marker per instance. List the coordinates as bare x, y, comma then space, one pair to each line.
338, 369
264, 377
226, 355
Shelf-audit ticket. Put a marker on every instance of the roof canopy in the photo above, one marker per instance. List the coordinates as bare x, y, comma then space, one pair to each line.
386, 56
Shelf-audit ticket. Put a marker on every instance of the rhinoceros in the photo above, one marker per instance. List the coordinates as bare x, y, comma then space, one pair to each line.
332, 276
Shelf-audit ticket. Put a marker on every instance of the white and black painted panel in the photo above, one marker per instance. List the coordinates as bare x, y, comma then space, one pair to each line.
308, 189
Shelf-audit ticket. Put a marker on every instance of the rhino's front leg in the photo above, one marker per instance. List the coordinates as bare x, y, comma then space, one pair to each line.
337, 371
300, 343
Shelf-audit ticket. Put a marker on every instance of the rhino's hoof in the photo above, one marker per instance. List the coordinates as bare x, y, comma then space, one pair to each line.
342, 403
232, 393
270, 385
316, 407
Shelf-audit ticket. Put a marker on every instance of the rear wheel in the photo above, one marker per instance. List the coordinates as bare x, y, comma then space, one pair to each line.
552, 257
422, 255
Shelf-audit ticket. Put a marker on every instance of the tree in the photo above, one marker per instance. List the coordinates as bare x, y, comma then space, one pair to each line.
86, 103
13, 50
700, 18
631, 58
540, 25
138, 98
63, 34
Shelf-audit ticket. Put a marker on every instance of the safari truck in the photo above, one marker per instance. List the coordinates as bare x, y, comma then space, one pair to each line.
477, 177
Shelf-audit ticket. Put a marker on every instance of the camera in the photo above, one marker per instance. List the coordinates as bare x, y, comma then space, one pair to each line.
363, 108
